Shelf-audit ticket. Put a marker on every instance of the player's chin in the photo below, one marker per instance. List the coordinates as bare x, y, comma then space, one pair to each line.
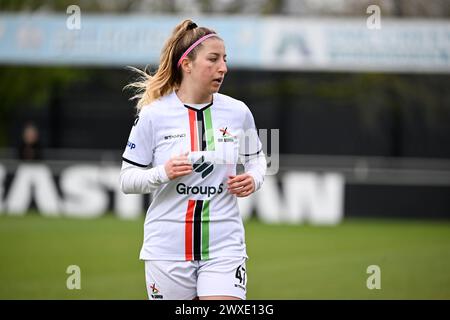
215, 87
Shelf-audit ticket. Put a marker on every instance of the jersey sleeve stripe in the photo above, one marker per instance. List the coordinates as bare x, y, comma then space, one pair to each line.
250, 154
134, 163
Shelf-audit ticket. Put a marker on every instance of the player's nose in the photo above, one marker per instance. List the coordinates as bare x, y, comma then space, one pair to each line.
223, 67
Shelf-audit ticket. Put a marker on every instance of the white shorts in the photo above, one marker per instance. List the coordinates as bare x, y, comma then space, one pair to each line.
186, 280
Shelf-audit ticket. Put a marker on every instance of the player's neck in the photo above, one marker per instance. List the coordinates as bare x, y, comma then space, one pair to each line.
191, 96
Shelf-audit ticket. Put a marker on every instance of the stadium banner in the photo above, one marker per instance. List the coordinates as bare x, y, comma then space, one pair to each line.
91, 190
272, 43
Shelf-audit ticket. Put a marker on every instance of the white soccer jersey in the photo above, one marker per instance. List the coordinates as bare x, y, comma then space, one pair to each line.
193, 217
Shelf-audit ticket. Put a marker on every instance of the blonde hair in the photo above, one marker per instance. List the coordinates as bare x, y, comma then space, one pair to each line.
167, 78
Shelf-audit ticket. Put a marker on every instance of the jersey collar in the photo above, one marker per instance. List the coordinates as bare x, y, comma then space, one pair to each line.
179, 102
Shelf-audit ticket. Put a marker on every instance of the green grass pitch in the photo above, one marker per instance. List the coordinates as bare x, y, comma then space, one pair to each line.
286, 261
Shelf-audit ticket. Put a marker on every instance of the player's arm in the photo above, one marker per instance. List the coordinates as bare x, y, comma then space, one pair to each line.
253, 158
135, 179
137, 174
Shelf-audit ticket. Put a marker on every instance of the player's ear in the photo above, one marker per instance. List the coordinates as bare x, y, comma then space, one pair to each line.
186, 65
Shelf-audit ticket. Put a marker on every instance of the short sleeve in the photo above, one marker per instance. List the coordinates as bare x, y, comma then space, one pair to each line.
139, 148
249, 142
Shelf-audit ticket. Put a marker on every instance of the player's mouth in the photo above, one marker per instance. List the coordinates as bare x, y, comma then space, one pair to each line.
218, 81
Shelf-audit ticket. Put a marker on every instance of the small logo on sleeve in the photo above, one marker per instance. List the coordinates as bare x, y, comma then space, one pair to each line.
131, 145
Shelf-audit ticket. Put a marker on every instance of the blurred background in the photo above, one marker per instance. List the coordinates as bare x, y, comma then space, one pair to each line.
354, 102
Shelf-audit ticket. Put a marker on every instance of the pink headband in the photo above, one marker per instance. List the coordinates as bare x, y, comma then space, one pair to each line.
196, 43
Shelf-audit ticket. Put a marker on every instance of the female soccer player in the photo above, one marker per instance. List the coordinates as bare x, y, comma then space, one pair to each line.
184, 147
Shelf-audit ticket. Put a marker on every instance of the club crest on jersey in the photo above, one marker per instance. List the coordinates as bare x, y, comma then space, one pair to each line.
225, 136
155, 292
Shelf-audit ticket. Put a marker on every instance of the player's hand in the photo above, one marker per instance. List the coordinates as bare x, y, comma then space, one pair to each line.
241, 185
178, 166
